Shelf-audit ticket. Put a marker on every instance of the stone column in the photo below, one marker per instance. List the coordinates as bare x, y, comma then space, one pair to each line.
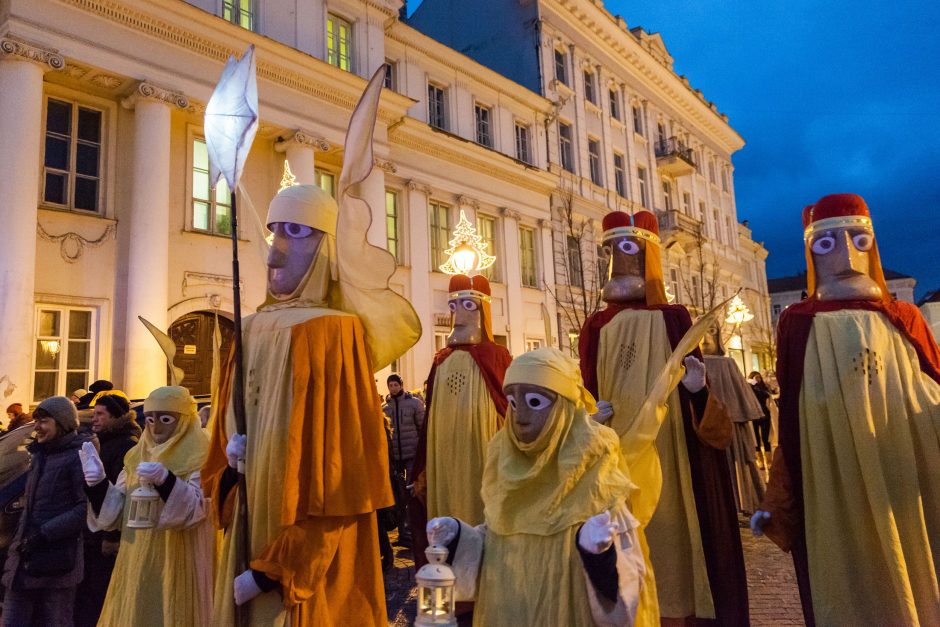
149, 237
422, 298
299, 149
22, 66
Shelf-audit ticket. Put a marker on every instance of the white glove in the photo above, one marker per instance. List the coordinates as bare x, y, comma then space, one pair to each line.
597, 533
154, 472
246, 588
694, 377
758, 520
605, 411
92, 467
442, 531
235, 449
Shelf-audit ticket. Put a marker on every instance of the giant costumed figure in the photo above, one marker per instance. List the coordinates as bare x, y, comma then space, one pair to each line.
315, 452
853, 491
685, 501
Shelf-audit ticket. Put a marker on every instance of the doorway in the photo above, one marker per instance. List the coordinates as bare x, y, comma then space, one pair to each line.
193, 336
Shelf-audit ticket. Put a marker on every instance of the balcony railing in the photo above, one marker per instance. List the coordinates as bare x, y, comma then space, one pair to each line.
674, 157
675, 226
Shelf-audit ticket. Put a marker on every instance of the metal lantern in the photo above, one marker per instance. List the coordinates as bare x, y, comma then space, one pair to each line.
435, 590
144, 508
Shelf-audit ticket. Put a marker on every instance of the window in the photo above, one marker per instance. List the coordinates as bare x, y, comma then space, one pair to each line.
674, 283
575, 275
661, 134
437, 113
564, 141
392, 236
702, 216
711, 172
522, 143
533, 344
212, 209
641, 177
724, 180
238, 12
777, 309
527, 257
72, 172
594, 155
440, 340
589, 92
620, 178
390, 75
603, 267
730, 231
637, 119
667, 195
696, 291
483, 116
687, 203
338, 42
486, 227
614, 100
561, 66
327, 182
440, 232
717, 223
65, 350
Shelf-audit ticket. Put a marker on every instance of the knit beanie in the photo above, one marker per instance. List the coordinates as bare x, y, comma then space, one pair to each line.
114, 401
100, 386
62, 410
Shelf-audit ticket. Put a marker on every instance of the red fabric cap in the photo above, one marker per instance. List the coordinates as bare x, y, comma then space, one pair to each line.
481, 284
835, 206
459, 282
647, 221
615, 219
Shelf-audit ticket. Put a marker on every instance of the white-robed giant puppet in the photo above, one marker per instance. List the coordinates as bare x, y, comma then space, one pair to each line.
853, 490
163, 575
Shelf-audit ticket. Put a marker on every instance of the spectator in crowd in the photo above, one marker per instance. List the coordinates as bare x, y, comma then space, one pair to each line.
101, 385
114, 424
44, 564
762, 425
77, 395
406, 414
16, 416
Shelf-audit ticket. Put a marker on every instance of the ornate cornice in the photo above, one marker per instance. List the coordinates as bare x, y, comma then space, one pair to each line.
464, 200
303, 138
149, 91
387, 166
72, 245
510, 213
12, 47
414, 185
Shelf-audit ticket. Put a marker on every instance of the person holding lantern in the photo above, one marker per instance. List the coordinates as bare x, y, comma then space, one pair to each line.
163, 573
558, 545
685, 502
466, 408
853, 491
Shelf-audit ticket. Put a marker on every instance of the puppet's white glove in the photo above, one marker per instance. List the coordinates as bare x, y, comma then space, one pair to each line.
235, 449
597, 533
694, 377
92, 466
154, 472
246, 588
605, 411
758, 520
442, 531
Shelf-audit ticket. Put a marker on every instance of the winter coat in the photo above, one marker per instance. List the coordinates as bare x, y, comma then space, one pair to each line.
113, 445
55, 506
406, 413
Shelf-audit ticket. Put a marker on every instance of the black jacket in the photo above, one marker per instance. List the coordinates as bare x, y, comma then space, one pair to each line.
406, 412
114, 445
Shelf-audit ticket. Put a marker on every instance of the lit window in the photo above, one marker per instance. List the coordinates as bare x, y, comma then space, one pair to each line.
614, 100
589, 92
575, 275
594, 157
440, 234
564, 142
437, 113
561, 63
391, 225
72, 172
65, 350
527, 257
522, 143
620, 179
644, 193
532, 344
239, 12
483, 116
327, 182
212, 209
339, 42
637, 119
486, 227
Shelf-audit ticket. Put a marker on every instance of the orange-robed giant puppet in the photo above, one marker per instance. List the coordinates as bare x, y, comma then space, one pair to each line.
466, 407
685, 501
854, 490
315, 452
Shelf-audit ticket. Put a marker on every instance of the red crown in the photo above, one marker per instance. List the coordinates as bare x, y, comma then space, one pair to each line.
461, 283
835, 206
615, 219
481, 284
647, 221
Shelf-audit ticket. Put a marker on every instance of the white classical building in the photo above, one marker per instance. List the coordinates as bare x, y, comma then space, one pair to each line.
103, 172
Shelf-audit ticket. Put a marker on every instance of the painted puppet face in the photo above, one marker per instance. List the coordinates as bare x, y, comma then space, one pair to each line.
468, 321
292, 253
162, 424
531, 407
627, 270
841, 262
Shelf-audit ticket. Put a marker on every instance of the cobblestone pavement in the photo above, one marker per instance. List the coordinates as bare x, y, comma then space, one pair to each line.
772, 592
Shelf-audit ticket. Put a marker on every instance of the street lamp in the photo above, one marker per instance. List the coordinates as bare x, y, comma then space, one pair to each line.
738, 314
467, 252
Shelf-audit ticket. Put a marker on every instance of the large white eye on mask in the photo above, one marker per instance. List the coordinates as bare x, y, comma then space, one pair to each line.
165, 419
297, 231
469, 305
863, 241
512, 401
628, 247
536, 401
453, 306
823, 245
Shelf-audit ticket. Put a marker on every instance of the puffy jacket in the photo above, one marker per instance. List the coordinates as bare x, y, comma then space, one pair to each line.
55, 506
406, 413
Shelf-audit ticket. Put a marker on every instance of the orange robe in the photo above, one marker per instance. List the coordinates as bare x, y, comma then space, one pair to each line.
317, 470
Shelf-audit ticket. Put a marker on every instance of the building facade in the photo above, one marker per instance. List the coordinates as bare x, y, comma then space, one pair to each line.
109, 214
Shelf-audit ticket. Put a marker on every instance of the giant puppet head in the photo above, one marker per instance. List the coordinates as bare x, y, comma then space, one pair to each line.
841, 254
469, 303
711, 342
636, 272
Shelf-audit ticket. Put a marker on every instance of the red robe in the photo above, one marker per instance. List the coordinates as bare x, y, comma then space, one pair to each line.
711, 482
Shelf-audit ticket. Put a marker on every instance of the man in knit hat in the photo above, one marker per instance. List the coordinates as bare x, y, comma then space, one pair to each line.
17, 417
45, 564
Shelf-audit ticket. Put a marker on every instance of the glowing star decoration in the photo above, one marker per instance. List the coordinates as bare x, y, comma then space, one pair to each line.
232, 119
467, 252
288, 180
738, 312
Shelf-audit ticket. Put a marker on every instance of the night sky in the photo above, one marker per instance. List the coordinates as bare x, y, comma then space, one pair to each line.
830, 97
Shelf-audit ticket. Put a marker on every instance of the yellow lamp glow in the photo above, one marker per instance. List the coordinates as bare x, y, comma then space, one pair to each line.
467, 252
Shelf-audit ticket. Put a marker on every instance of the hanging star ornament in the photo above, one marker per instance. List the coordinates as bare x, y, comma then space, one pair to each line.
466, 235
232, 119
